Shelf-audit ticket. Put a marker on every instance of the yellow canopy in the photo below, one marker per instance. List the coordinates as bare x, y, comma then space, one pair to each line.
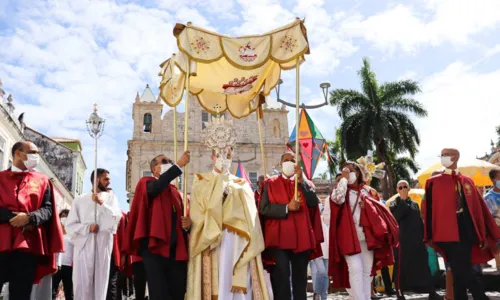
231, 73
414, 194
474, 168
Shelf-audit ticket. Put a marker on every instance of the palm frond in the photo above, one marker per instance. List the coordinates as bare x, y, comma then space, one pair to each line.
405, 105
398, 89
348, 101
369, 82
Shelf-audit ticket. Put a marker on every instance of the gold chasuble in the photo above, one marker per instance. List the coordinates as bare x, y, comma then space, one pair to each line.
225, 233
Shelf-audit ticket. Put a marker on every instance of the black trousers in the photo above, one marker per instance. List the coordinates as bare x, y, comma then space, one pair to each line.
113, 290
166, 277
65, 274
459, 255
125, 284
280, 276
139, 280
18, 269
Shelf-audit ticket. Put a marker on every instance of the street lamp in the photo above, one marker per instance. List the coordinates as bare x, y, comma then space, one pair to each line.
324, 87
95, 127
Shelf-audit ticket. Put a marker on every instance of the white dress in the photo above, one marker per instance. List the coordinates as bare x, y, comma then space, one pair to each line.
92, 252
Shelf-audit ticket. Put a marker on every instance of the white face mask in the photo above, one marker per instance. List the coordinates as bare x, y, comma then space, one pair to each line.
222, 164
63, 221
446, 161
352, 178
288, 168
164, 168
32, 161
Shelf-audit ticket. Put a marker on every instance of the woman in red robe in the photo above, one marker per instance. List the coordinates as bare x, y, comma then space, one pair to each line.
362, 233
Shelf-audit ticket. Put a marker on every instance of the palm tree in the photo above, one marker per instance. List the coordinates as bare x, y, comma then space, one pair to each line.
379, 117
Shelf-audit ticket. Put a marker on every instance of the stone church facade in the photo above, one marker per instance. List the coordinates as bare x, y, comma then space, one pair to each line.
153, 134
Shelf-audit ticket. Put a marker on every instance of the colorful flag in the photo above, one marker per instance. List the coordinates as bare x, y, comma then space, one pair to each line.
242, 173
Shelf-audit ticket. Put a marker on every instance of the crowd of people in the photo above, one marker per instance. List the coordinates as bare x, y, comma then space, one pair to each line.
232, 243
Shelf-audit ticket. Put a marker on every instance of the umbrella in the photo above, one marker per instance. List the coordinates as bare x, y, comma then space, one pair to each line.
474, 168
242, 173
414, 194
312, 144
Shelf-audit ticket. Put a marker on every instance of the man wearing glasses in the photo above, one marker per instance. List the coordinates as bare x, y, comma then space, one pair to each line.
411, 268
157, 230
457, 224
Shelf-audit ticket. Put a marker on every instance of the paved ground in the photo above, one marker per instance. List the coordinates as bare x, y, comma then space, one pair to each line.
344, 296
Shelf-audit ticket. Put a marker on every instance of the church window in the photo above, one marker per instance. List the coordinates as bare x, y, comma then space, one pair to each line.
204, 118
276, 128
148, 122
253, 179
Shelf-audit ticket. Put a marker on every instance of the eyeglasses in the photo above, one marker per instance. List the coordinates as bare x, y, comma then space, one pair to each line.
404, 187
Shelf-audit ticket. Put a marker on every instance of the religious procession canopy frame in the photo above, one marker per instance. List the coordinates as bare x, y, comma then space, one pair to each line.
230, 73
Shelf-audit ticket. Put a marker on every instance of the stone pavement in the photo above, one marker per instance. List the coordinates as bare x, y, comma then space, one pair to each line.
344, 296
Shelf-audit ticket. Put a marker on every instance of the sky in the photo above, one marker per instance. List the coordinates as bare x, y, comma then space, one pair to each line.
59, 57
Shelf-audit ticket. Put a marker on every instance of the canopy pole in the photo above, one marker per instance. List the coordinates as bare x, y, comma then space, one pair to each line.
175, 142
262, 154
297, 104
186, 119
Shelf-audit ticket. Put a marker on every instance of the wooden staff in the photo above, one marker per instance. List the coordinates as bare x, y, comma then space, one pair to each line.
186, 119
297, 104
259, 121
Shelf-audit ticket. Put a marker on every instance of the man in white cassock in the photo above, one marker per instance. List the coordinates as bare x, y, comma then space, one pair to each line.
92, 238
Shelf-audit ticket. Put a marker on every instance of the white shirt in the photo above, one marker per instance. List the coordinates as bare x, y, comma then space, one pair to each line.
66, 258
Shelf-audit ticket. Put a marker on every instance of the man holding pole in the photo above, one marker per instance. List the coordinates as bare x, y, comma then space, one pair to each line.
157, 229
293, 231
91, 224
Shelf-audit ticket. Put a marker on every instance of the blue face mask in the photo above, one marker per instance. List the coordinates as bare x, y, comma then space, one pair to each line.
497, 184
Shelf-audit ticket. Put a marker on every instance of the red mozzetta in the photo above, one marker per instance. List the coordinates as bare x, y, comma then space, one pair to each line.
24, 192
149, 219
381, 233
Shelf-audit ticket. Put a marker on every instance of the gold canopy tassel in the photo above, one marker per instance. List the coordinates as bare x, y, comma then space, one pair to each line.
297, 104
186, 119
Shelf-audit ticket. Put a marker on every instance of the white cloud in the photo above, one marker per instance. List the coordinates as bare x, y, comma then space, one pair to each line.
463, 107
436, 22
408, 75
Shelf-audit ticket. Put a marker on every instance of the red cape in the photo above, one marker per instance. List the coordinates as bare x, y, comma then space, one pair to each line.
151, 219
305, 223
118, 243
440, 219
45, 240
381, 232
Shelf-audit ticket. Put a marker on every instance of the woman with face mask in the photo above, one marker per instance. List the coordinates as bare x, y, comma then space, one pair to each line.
355, 219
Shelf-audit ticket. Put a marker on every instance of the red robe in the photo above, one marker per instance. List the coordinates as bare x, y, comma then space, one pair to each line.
151, 219
305, 223
117, 246
440, 219
256, 196
23, 192
381, 233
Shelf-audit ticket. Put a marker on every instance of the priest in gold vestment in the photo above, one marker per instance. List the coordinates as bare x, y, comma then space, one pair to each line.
226, 238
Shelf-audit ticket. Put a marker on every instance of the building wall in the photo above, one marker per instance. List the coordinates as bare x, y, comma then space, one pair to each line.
59, 157
144, 146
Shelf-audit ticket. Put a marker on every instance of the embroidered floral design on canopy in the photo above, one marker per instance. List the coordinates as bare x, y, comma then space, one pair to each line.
247, 53
239, 86
288, 43
200, 45
215, 60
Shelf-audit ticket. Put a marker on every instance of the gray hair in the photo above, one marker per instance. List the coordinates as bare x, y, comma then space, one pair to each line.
403, 181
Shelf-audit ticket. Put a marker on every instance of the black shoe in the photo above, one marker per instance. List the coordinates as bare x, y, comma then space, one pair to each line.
402, 297
435, 296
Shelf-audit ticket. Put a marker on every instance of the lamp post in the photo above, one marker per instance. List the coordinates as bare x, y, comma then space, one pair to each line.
324, 87
95, 127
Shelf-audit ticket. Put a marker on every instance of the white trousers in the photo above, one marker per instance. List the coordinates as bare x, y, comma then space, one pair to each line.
360, 268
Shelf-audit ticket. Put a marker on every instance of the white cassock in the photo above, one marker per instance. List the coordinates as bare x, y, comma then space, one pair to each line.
92, 252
